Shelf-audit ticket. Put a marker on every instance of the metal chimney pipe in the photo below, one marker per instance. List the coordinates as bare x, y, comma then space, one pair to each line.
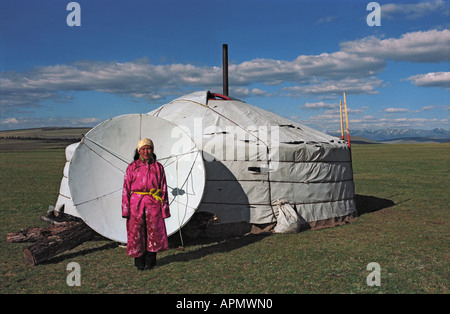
225, 68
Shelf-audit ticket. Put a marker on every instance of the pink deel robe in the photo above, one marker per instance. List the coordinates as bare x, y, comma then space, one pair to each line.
146, 230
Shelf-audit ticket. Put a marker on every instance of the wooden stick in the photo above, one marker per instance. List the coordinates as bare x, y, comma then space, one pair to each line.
342, 122
346, 120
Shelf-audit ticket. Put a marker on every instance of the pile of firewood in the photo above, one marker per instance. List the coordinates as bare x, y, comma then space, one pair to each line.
65, 234
50, 241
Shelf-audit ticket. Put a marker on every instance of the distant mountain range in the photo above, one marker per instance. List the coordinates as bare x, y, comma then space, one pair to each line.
400, 135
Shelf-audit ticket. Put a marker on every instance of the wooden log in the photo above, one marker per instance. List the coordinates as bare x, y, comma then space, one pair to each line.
27, 235
55, 244
37, 233
51, 221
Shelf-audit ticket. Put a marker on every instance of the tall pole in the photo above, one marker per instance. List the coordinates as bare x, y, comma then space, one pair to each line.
225, 68
349, 148
342, 121
346, 120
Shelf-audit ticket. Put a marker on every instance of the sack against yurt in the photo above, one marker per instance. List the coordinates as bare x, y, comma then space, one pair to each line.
287, 220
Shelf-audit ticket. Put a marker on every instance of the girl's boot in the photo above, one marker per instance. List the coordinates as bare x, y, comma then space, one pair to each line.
139, 262
150, 260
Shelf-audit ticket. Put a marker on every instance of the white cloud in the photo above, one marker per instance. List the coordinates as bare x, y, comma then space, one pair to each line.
326, 19
429, 46
396, 110
335, 87
332, 122
433, 79
353, 69
33, 122
320, 105
138, 79
10, 121
241, 92
321, 74
413, 11
86, 121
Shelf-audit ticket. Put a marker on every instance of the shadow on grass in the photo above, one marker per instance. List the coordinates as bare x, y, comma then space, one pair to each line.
226, 245
68, 256
368, 204
364, 204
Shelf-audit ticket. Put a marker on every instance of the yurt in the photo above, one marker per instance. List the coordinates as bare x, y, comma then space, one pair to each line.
258, 163
247, 166
64, 203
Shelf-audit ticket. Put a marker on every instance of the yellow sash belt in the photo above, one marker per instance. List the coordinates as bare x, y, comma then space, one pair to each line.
153, 192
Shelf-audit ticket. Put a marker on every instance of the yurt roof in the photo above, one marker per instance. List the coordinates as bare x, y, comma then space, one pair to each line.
220, 113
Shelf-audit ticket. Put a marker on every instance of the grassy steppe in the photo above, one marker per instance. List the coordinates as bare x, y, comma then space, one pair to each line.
409, 240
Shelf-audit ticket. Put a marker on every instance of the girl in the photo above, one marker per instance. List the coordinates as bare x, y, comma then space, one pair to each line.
145, 204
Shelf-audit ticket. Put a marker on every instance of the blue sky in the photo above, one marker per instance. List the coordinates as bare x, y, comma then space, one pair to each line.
294, 58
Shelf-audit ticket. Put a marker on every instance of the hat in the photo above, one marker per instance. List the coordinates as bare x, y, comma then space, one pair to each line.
144, 142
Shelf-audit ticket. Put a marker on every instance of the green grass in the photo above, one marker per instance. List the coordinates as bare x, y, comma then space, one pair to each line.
409, 240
